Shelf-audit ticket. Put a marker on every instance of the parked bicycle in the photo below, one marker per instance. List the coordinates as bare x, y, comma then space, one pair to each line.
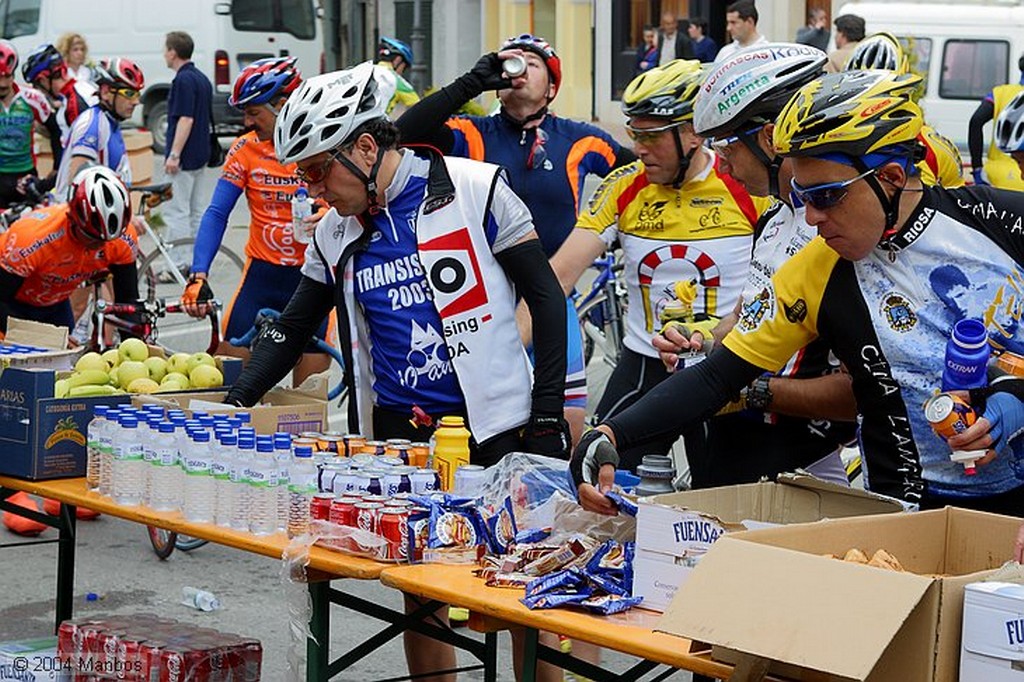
602, 311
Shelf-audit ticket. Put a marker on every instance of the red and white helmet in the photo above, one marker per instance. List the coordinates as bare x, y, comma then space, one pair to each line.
99, 204
8, 58
120, 73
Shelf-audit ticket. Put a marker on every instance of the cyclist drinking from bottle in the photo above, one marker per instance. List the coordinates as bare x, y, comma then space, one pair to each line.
51, 251
275, 253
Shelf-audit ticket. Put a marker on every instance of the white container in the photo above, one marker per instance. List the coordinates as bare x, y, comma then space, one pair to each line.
302, 207
283, 455
165, 471
106, 442
301, 488
244, 458
94, 448
199, 491
992, 641
224, 462
262, 476
127, 467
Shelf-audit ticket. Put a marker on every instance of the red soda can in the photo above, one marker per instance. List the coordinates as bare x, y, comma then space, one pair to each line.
69, 640
149, 659
343, 511
949, 414
184, 664
320, 507
399, 502
367, 517
127, 665
106, 658
379, 499
252, 660
394, 527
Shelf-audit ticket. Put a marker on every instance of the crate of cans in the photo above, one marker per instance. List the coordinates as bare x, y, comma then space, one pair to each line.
147, 648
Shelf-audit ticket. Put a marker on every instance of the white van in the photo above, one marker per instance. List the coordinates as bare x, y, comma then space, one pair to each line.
963, 49
228, 36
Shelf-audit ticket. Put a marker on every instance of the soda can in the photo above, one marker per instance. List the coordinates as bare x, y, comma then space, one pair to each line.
343, 511
398, 502
327, 474
949, 414
149, 659
320, 507
514, 66
374, 447
398, 481
333, 442
425, 481
128, 650
469, 481
374, 485
419, 454
386, 461
345, 482
376, 499
362, 481
182, 663
353, 443
394, 527
367, 519
1011, 363
306, 442
362, 461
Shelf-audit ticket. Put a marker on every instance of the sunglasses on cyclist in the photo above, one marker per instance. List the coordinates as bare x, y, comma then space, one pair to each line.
648, 135
721, 145
827, 195
316, 174
128, 93
538, 154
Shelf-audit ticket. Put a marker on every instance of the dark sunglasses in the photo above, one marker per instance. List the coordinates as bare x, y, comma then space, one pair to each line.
827, 195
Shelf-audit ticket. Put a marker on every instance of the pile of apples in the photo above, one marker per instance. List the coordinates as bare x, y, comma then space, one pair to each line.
130, 368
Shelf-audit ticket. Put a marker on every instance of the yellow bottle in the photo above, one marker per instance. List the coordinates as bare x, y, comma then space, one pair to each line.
451, 449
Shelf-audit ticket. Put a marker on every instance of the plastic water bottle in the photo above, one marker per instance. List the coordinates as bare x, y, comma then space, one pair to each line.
199, 492
93, 448
301, 208
262, 475
165, 473
149, 429
283, 455
301, 488
243, 495
106, 438
224, 462
128, 468
967, 354
201, 600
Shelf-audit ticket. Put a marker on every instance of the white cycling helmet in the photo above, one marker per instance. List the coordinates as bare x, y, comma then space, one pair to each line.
1009, 130
324, 111
99, 205
750, 89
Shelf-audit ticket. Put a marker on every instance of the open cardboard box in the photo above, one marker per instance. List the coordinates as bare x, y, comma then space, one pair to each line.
40, 335
675, 530
770, 593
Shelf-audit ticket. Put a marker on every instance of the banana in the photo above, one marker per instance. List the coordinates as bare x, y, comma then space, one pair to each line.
91, 377
92, 390
60, 388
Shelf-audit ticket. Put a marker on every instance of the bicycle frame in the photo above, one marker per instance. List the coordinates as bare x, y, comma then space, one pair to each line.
149, 200
106, 312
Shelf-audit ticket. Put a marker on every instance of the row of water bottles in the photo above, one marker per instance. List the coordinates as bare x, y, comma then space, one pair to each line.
211, 468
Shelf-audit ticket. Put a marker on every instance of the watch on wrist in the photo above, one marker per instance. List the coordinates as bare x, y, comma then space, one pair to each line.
758, 395
174, 155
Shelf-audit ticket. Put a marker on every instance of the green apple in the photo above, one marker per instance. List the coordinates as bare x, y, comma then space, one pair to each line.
91, 361
197, 359
130, 370
143, 385
133, 349
112, 357
178, 363
176, 378
157, 368
205, 376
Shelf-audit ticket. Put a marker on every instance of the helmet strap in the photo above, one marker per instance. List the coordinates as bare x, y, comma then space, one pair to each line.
373, 205
772, 164
890, 206
684, 159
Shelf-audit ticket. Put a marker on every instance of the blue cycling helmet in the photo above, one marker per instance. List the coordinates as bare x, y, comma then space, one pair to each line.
264, 81
42, 62
389, 48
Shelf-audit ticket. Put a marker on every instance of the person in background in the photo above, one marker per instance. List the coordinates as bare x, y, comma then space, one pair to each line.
996, 169
1009, 132
647, 53
672, 44
274, 255
395, 56
75, 51
47, 71
704, 46
189, 109
849, 33
815, 33
741, 23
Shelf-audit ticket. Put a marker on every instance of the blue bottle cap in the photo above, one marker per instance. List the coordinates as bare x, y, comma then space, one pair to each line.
166, 427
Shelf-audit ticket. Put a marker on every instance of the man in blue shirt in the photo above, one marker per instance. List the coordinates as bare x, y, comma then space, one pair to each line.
189, 106
704, 47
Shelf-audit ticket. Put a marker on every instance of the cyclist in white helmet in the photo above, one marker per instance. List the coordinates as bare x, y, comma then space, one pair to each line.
1009, 131
424, 257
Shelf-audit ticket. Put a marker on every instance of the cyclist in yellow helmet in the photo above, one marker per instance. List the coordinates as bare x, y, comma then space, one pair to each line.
896, 264
941, 164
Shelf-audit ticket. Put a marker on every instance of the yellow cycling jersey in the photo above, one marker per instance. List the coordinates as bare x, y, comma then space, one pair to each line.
702, 231
942, 164
1001, 169
405, 95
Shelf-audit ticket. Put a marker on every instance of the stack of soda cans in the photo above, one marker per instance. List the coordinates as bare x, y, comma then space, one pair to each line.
147, 648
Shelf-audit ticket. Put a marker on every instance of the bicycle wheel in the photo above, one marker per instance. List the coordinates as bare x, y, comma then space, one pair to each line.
186, 543
600, 340
163, 541
181, 332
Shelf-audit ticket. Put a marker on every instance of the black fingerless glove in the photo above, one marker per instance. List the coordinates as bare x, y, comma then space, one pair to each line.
547, 436
594, 451
486, 75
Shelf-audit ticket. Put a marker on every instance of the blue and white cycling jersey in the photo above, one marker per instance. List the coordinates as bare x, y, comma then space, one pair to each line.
96, 135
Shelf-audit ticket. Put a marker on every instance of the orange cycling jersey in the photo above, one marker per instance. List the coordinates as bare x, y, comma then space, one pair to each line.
252, 167
40, 249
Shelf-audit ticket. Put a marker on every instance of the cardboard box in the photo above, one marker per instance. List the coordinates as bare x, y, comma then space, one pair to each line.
40, 335
282, 409
43, 437
770, 593
992, 646
138, 143
675, 530
30, 660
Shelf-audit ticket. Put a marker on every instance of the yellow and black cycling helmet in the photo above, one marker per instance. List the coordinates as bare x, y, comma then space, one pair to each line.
665, 91
853, 113
879, 51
